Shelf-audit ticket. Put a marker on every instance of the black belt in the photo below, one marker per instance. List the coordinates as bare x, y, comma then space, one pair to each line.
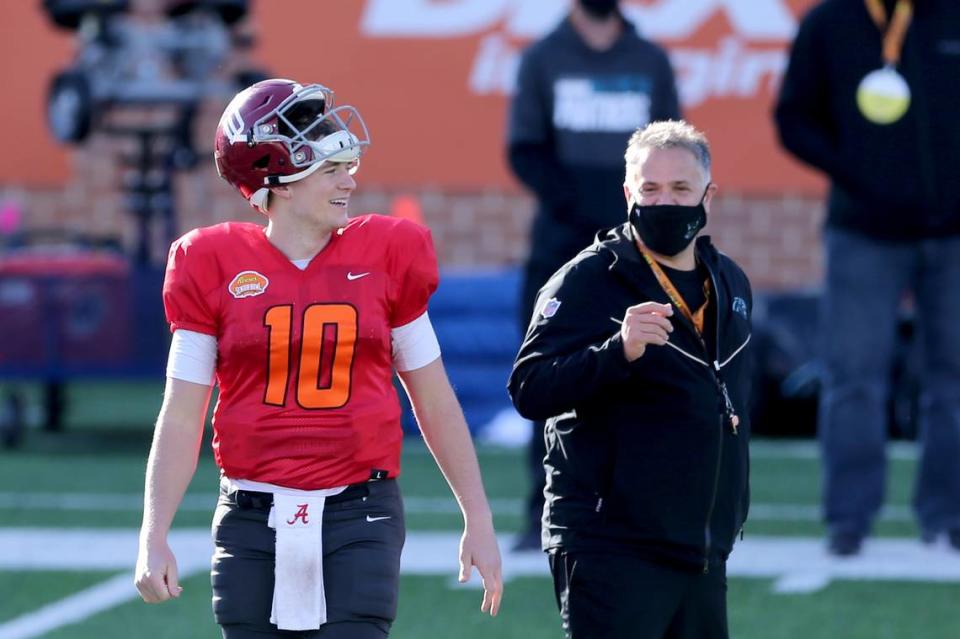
256, 500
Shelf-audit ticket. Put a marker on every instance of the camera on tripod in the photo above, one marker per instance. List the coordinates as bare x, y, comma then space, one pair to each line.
122, 61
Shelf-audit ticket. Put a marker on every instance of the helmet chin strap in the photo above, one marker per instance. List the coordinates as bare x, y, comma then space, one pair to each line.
259, 199
310, 170
296, 177
341, 146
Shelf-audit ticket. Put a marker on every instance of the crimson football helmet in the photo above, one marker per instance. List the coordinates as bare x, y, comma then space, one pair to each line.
279, 131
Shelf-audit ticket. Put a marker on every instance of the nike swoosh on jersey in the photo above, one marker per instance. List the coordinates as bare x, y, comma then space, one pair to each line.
351, 276
372, 519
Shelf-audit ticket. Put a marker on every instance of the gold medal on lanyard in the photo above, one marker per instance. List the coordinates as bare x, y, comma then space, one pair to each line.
883, 95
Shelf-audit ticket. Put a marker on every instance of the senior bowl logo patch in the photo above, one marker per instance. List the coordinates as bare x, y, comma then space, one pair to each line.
550, 308
248, 284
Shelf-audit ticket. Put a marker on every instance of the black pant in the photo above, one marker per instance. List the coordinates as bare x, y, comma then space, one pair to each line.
361, 564
615, 596
330, 630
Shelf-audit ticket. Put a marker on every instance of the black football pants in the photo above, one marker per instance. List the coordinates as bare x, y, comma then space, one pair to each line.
361, 564
611, 596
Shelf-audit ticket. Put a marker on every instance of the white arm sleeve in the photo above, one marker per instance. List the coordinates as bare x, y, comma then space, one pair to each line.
193, 357
414, 345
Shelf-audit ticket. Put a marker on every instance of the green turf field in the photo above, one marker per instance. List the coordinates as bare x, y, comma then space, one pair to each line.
90, 477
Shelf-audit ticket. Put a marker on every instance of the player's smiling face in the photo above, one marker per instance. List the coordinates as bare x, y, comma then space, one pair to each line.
323, 198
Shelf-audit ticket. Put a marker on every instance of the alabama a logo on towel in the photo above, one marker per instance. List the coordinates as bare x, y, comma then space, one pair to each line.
301, 514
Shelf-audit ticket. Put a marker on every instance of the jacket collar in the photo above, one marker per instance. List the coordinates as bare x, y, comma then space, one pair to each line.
620, 241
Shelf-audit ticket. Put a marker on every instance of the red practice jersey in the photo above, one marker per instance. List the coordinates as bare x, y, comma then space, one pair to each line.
304, 360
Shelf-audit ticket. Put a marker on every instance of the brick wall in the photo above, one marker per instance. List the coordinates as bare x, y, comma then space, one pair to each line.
775, 238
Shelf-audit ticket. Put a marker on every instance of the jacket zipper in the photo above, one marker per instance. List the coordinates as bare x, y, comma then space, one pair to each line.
713, 501
728, 415
715, 374
715, 371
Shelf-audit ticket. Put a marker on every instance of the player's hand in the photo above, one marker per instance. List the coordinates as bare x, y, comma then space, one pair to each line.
156, 574
478, 547
645, 324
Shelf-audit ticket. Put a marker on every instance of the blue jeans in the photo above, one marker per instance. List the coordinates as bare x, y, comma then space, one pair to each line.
865, 282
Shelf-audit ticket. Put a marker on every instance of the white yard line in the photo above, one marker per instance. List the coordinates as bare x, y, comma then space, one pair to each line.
797, 565
74, 608
87, 549
801, 583
111, 502
803, 565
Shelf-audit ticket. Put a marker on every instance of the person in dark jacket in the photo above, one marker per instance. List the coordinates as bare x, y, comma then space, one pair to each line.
638, 357
581, 91
870, 98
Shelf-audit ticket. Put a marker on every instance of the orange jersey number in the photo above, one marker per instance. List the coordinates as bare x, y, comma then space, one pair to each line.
326, 354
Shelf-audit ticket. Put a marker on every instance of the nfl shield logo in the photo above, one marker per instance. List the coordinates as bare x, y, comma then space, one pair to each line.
740, 307
550, 308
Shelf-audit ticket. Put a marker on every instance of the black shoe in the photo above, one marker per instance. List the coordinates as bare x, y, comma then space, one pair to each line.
530, 540
953, 538
844, 544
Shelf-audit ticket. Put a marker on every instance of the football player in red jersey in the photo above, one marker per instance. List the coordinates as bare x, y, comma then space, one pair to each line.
301, 324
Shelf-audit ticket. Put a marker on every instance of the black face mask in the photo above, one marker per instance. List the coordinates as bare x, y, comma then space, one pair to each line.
599, 8
667, 229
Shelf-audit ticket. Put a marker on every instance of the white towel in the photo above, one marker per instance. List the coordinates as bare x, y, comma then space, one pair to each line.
298, 598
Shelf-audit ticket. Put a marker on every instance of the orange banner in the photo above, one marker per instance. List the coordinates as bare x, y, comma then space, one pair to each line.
432, 80
31, 51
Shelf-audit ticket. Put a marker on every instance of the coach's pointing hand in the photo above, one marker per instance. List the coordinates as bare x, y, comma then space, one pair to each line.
645, 324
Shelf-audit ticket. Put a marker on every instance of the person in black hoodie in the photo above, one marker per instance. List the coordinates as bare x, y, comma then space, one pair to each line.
871, 98
581, 91
638, 357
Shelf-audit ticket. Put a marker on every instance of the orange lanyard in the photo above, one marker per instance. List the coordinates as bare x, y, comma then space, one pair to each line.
894, 32
696, 318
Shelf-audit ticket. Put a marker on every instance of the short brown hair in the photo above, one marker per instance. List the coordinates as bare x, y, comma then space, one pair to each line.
669, 134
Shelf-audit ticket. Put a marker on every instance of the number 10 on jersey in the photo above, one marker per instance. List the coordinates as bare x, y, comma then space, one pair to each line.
329, 337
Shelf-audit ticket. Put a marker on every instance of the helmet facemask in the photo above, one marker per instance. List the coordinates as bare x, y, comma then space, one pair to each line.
314, 130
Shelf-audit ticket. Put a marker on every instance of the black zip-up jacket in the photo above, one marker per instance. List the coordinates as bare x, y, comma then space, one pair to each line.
642, 456
891, 182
